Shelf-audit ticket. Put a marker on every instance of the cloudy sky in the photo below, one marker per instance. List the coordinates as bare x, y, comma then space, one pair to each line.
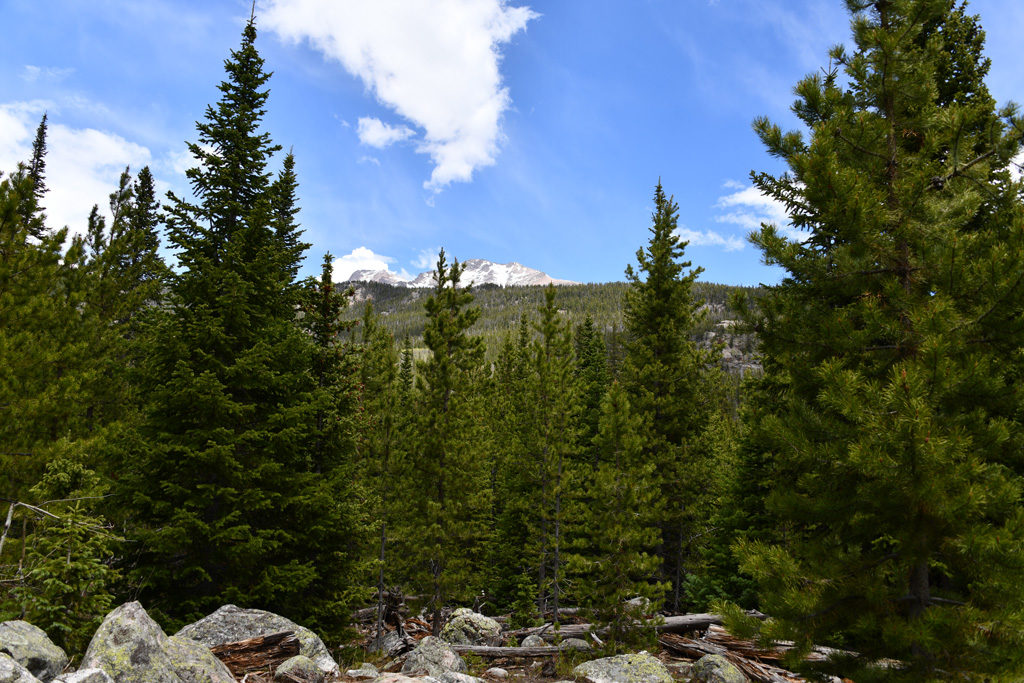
510, 130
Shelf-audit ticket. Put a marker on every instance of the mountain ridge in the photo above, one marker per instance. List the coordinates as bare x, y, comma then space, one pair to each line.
476, 271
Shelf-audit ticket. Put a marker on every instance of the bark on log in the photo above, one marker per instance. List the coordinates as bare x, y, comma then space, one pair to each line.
677, 624
511, 652
257, 654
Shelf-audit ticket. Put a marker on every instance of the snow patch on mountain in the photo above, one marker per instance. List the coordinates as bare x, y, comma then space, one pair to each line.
477, 271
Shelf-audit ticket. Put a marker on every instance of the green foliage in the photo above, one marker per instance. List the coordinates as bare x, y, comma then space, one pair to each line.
68, 573
621, 564
669, 382
892, 435
448, 477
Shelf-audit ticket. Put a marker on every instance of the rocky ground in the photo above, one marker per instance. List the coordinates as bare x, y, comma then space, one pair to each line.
254, 646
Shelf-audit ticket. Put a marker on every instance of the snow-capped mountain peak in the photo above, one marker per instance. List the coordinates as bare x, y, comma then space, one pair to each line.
476, 271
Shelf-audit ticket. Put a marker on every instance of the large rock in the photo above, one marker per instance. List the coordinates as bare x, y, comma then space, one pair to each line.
399, 678
575, 644
433, 657
717, 669
29, 646
230, 624
632, 668
132, 648
300, 668
467, 627
452, 677
12, 672
366, 671
533, 640
85, 676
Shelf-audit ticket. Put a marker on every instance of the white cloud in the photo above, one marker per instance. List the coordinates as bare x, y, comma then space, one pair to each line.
1017, 165
376, 133
748, 208
436, 64
363, 258
32, 73
426, 259
82, 164
369, 160
709, 238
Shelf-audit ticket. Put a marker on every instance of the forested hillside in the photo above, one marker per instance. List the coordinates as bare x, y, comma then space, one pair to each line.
218, 430
401, 310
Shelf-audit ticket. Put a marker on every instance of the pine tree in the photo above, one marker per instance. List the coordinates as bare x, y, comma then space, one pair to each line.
664, 375
448, 473
892, 344
231, 482
36, 172
620, 564
592, 371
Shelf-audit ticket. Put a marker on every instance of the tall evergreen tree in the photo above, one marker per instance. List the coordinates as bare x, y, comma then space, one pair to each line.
892, 342
447, 467
664, 375
229, 483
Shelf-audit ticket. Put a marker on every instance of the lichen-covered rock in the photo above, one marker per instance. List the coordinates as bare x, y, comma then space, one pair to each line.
533, 640
433, 657
632, 668
395, 644
193, 662
85, 676
717, 669
132, 648
29, 646
366, 671
230, 624
299, 667
467, 627
399, 678
574, 644
12, 672
452, 677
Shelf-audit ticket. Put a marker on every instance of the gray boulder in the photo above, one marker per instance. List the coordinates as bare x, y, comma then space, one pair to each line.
632, 668
366, 671
433, 657
717, 669
575, 644
29, 646
12, 672
533, 640
467, 627
299, 667
85, 676
395, 644
132, 648
496, 673
452, 677
230, 623
399, 678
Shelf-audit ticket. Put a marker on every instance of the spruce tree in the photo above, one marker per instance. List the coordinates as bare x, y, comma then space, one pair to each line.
664, 374
231, 483
893, 343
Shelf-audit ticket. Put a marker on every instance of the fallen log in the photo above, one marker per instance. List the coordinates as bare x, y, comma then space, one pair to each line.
262, 653
752, 669
510, 652
676, 624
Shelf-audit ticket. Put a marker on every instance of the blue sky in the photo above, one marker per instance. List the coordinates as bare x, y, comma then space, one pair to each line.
530, 131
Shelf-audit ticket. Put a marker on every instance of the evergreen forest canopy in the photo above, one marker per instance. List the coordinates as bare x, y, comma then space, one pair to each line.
223, 432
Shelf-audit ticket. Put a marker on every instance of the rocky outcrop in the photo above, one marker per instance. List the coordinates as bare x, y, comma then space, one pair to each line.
29, 646
12, 672
230, 624
433, 657
632, 668
132, 648
467, 627
717, 669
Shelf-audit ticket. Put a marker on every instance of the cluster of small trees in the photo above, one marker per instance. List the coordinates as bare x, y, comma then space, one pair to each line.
217, 432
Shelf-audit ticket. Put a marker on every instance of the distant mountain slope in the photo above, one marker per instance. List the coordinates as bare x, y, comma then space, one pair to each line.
401, 309
478, 271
